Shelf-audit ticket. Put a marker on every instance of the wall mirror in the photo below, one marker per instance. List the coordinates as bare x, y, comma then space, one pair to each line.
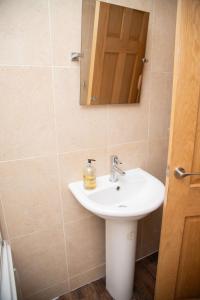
112, 53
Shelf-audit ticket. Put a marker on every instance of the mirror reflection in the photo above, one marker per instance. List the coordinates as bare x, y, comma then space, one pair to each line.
113, 49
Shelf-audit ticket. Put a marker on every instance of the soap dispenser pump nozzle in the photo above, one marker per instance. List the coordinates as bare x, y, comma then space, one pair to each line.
90, 160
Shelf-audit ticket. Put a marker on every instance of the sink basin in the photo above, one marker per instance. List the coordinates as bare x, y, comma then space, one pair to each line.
121, 204
132, 197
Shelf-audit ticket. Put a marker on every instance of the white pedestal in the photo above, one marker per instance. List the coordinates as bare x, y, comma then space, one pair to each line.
120, 258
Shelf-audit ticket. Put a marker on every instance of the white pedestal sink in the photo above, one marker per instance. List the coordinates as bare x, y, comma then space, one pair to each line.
121, 204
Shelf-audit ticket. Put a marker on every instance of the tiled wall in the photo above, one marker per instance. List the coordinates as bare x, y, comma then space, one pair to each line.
46, 136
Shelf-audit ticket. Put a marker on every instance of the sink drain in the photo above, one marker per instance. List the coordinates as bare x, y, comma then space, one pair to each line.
122, 205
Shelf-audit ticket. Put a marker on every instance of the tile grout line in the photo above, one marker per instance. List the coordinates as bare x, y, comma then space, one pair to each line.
21, 236
82, 150
77, 150
64, 281
44, 289
89, 281
90, 269
43, 230
80, 219
151, 51
27, 158
107, 133
56, 141
151, 72
149, 109
39, 66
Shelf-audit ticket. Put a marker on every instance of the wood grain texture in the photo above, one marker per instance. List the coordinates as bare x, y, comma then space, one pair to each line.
145, 275
189, 265
118, 46
196, 157
182, 206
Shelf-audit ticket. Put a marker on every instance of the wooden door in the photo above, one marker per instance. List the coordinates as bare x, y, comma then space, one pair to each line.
118, 49
178, 275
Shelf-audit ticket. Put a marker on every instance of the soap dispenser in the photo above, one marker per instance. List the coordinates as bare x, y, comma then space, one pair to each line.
89, 175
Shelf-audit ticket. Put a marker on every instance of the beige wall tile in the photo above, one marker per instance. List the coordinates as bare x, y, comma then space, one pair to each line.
29, 191
127, 123
24, 33
26, 120
40, 260
87, 277
66, 30
51, 292
163, 35
85, 244
160, 105
150, 233
72, 210
78, 127
157, 158
71, 165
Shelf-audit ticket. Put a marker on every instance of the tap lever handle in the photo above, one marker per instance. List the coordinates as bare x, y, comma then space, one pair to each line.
115, 159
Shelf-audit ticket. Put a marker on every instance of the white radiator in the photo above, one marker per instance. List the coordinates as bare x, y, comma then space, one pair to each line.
7, 277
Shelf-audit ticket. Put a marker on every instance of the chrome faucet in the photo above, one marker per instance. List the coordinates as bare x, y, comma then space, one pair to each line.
114, 169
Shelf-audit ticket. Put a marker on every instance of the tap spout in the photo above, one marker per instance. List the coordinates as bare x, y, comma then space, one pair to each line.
118, 170
115, 170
